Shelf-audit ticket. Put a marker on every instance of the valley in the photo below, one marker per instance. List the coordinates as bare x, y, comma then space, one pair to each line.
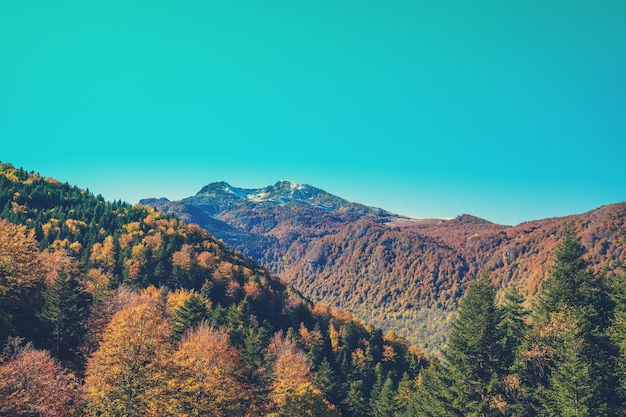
389, 270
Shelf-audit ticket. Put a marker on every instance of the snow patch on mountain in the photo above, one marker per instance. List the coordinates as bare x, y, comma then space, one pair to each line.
220, 196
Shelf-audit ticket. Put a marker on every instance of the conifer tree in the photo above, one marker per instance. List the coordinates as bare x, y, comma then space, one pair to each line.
406, 387
433, 396
586, 353
383, 404
188, 315
66, 307
474, 352
513, 326
327, 380
618, 292
355, 403
469, 381
572, 284
572, 385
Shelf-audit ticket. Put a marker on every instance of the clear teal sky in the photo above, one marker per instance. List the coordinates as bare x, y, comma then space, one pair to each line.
509, 110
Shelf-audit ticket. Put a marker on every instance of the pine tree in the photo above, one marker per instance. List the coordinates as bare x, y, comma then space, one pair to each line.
469, 381
355, 403
618, 292
406, 387
513, 326
327, 380
474, 352
384, 403
188, 315
433, 396
571, 383
575, 295
66, 307
572, 284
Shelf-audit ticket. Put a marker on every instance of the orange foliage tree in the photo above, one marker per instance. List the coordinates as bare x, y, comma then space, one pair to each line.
293, 390
125, 375
21, 276
207, 377
32, 383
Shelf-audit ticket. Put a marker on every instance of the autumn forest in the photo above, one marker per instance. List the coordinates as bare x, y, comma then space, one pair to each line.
108, 309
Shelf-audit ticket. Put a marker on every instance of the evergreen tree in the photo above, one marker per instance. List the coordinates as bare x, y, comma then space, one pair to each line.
469, 381
406, 387
66, 306
571, 383
327, 381
377, 388
572, 284
513, 326
618, 292
585, 354
433, 396
384, 403
474, 353
355, 404
188, 315
238, 320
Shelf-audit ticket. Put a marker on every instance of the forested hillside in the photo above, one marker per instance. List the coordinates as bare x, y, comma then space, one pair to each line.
390, 271
113, 310
566, 357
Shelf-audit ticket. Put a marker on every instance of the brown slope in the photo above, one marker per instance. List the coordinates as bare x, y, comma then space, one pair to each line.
523, 254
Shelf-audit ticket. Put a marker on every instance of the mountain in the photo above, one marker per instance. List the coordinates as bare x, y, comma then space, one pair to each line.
277, 214
220, 196
389, 270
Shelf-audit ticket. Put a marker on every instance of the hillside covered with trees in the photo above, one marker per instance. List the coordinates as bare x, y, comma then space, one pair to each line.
113, 310
565, 357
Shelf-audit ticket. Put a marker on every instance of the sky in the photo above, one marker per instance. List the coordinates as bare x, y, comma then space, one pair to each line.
507, 110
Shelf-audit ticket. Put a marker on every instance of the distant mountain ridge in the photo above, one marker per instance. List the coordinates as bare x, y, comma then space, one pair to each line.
220, 196
392, 271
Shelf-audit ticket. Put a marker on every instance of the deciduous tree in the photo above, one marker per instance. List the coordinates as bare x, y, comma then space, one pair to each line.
125, 375
207, 376
21, 279
33, 384
293, 391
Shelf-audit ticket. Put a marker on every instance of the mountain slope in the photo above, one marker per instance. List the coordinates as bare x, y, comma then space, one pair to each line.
389, 270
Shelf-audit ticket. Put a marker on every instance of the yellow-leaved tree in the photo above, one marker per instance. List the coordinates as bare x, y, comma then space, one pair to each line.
21, 278
293, 390
207, 377
128, 372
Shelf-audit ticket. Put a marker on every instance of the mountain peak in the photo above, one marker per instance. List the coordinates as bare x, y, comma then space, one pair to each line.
219, 187
288, 183
219, 196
